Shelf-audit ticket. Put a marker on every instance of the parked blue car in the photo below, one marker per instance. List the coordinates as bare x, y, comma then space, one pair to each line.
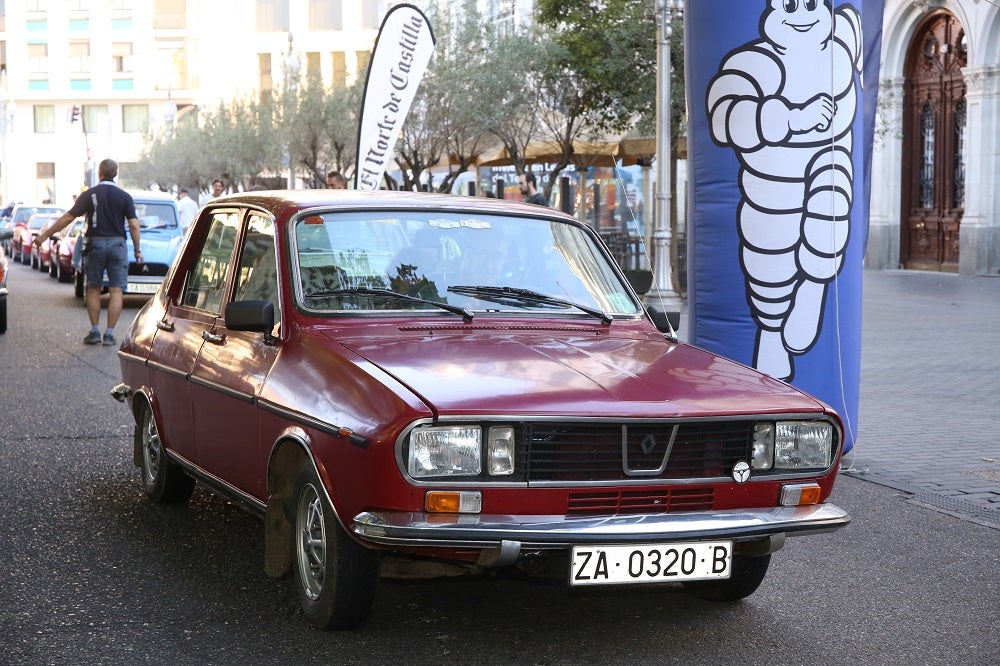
160, 236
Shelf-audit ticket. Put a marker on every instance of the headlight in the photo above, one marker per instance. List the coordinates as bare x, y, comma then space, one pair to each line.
763, 446
802, 444
500, 451
445, 451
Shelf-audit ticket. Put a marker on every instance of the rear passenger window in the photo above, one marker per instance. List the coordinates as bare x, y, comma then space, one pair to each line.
205, 282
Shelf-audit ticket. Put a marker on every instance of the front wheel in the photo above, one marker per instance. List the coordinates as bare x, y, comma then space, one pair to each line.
162, 478
747, 575
337, 577
78, 283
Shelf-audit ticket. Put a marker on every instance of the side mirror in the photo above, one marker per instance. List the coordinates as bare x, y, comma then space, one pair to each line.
251, 316
665, 322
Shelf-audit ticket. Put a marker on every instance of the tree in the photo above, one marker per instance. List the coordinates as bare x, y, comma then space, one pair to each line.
609, 46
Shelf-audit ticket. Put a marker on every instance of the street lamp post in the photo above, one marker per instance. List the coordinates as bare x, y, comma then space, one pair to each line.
291, 66
663, 293
170, 113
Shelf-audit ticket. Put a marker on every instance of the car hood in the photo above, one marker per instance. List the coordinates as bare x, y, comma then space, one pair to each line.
159, 245
545, 373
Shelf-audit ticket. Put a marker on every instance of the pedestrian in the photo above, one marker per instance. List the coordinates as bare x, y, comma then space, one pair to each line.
529, 188
217, 187
110, 213
336, 181
187, 208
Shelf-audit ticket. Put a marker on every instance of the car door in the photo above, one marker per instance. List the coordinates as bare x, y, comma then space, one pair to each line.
233, 365
193, 301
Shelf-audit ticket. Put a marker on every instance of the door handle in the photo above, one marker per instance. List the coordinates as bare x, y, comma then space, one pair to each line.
214, 338
165, 325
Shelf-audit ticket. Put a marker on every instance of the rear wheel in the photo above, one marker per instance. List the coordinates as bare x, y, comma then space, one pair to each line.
748, 574
162, 478
78, 284
3, 315
337, 578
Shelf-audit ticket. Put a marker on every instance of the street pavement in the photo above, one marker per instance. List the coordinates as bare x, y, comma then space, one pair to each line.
929, 412
92, 572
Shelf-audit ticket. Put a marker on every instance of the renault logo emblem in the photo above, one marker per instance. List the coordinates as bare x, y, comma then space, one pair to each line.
741, 472
654, 463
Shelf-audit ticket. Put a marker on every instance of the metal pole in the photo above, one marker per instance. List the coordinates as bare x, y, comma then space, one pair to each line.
663, 293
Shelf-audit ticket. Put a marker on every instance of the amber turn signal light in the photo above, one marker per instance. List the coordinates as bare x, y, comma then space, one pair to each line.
800, 494
453, 501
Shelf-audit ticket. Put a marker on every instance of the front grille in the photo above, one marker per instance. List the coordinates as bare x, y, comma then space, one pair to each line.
594, 452
666, 500
147, 269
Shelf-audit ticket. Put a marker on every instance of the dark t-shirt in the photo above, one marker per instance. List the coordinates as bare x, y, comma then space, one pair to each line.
538, 199
108, 209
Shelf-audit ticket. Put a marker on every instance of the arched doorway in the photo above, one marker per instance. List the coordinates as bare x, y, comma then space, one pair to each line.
934, 115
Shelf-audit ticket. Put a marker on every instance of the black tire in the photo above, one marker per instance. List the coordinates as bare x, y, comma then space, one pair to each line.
336, 577
52, 267
748, 574
3, 316
162, 478
78, 284
35, 261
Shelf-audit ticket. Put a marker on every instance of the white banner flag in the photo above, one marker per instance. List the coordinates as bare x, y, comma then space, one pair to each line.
402, 50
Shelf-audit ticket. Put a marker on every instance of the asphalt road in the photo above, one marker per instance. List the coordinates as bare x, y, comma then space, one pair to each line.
93, 573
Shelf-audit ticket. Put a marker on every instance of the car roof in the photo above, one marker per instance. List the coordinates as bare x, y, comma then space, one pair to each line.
278, 201
149, 196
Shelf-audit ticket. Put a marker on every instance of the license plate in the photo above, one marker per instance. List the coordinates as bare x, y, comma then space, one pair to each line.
651, 563
142, 287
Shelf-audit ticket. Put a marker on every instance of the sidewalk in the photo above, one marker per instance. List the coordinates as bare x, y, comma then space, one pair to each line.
929, 415
930, 390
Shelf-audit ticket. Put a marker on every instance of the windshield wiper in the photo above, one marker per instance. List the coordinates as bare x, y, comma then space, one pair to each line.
517, 296
386, 293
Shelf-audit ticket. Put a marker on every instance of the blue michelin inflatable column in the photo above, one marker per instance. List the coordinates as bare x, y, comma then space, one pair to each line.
782, 97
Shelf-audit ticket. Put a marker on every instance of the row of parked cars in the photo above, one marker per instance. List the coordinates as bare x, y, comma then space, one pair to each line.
61, 255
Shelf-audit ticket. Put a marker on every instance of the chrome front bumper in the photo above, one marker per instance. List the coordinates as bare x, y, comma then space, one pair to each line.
507, 533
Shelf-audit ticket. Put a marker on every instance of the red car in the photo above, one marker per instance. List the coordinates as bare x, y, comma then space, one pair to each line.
39, 257
459, 379
62, 248
20, 214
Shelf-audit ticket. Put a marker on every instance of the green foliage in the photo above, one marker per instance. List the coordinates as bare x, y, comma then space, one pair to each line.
586, 70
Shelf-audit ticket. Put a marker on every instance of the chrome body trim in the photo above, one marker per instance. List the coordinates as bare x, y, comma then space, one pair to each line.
399, 528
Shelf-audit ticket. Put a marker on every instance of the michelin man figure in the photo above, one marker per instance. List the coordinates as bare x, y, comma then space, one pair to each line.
786, 104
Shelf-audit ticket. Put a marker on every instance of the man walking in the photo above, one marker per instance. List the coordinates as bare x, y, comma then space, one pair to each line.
187, 208
529, 188
109, 212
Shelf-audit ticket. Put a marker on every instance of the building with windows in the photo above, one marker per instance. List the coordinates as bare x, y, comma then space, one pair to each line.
936, 164
81, 80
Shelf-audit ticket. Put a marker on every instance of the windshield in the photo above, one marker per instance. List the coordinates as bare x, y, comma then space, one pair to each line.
156, 215
452, 258
26, 212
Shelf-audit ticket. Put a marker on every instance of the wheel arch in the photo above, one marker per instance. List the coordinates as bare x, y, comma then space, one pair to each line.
290, 451
292, 448
140, 400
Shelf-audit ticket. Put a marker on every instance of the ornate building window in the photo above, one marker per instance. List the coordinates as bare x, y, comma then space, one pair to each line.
927, 157
959, 184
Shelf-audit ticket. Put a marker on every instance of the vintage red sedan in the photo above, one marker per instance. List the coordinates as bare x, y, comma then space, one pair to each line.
430, 378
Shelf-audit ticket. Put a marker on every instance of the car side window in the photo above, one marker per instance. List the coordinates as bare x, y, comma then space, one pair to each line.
257, 276
205, 282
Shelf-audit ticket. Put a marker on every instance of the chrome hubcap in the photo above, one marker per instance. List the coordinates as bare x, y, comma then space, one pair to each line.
310, 545
151, 449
